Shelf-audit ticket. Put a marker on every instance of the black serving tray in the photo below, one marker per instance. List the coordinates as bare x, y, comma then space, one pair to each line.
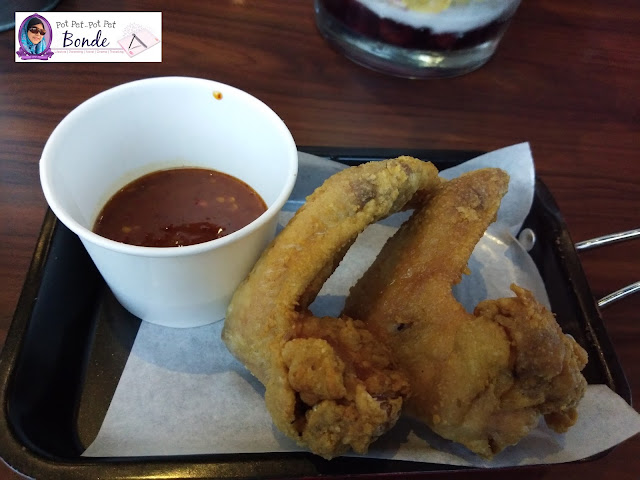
70, 339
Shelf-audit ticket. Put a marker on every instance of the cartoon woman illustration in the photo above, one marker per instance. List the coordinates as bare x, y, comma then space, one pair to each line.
32, 37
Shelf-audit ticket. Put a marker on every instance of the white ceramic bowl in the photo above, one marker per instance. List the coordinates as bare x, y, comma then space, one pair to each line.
147, 125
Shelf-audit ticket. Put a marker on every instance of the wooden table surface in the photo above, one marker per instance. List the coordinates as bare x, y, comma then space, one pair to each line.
566, 78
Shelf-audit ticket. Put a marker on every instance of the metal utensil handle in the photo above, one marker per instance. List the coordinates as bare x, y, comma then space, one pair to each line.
607, 239
619, 294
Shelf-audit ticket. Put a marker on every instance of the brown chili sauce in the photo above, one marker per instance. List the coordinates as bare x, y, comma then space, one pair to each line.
178, 207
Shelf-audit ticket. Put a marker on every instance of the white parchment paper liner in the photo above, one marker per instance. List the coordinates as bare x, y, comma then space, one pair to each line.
181, 392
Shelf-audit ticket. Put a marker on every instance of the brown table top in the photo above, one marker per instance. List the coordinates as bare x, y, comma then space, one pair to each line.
566, 78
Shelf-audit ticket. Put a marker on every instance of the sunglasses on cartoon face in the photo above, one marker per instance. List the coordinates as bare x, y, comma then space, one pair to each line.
37, 31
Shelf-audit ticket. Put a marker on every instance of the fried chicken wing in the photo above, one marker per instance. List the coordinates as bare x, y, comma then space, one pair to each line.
481, 379
330, 385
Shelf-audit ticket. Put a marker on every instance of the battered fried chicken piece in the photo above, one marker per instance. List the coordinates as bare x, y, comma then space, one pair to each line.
480, 379
330, 385
337, 359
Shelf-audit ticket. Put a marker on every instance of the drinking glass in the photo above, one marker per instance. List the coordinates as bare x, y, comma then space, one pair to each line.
416, 38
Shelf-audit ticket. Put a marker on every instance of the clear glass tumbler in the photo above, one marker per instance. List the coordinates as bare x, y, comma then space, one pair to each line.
416, 38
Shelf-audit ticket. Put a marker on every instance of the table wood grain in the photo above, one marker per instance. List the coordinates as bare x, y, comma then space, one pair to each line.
566, 78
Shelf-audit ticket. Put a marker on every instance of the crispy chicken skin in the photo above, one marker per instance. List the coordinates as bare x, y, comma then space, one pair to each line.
481, 379
330, 384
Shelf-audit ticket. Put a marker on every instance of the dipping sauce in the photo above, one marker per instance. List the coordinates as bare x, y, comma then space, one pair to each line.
178, 207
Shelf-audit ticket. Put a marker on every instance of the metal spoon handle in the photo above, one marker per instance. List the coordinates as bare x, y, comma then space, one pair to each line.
607, 239
619, 294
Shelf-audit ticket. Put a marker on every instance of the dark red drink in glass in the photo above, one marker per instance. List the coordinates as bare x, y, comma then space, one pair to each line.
416, 38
